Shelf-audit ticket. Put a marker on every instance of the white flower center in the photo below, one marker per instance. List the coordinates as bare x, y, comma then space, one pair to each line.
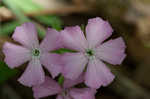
36, 52
90, 53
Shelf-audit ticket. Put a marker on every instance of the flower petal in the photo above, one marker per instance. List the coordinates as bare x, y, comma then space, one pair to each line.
97, 31
33, 75
15, 55
112, 51
70, 83
59, 97
82, 93
48, 88
74, 64
51, 41
52, 62
63, 97
73, 38
26, 34
98, 74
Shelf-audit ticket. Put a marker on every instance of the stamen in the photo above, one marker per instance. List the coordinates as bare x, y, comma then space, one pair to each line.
36, 52
90, 52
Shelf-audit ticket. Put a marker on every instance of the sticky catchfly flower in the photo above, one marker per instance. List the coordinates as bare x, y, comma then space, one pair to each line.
92, 51
66, 91
36, 54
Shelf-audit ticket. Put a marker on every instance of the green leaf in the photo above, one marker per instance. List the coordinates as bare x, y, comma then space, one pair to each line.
21, 17
50, 20
61, 80
6, 72
63, 50
26, 6
7, 28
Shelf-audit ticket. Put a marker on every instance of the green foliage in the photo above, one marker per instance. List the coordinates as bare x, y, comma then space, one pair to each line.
21, 17
63, 50
50, 20
26, 6
7, 28
83, 27
18, 9
1, 4
6, 72
61, 80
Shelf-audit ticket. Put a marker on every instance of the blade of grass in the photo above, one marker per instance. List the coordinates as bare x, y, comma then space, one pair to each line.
21, 17
50, 20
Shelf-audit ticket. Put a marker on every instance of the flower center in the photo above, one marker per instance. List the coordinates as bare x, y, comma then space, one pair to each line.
65, 93
90, 52
36, 52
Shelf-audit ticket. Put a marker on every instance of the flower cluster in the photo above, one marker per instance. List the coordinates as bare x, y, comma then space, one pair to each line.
84, 65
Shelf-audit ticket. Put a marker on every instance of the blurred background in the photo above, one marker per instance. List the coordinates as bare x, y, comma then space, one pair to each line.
129, 19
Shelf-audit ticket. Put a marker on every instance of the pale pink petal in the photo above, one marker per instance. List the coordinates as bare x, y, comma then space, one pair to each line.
112, 51
15, 55
52, 40
97, 31
26, 34
97, 74
63, 97
59, 97
33, 75
74, 65
73, 38
52, 63
67, 97
82, 93
70, 83
48, 88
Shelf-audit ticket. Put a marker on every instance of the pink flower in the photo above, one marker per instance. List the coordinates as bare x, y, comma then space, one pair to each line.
51, 87
36, 54
92, 51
